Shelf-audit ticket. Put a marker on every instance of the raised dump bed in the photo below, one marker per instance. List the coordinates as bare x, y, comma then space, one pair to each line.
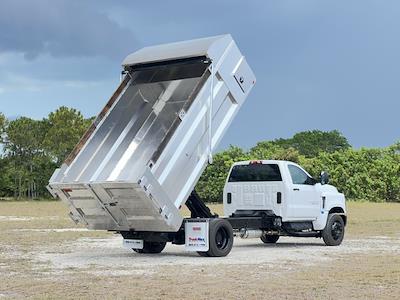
144, 153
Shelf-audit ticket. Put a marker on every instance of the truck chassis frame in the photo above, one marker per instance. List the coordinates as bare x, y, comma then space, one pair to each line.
247, 225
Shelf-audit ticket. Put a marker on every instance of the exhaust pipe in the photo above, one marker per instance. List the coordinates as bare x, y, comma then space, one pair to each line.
255, 233
250, 233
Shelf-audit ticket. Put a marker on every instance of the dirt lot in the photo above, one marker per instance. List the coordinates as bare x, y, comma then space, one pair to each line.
44, 255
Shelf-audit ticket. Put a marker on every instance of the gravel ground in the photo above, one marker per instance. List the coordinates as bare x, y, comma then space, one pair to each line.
44, 256
107, 255
101, 268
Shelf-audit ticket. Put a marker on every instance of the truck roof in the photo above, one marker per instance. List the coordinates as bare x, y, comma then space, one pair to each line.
268, 161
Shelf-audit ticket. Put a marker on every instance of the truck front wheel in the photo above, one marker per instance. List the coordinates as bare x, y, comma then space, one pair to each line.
151, 247
334, 230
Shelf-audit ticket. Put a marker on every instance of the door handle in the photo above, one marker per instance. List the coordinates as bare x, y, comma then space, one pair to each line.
296, 189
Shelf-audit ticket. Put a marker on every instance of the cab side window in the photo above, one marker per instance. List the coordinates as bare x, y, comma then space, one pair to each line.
299, 176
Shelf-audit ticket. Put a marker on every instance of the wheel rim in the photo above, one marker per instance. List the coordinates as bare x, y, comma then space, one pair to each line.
337, 230
221, 238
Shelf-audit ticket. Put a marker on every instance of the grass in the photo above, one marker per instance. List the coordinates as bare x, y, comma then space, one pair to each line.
364, 218
31, 215
11, 199
33, 208
371, 219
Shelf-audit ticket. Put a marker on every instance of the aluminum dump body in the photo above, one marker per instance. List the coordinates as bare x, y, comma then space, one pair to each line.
143, 155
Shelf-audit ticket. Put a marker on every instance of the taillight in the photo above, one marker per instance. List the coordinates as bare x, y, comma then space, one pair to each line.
255, 162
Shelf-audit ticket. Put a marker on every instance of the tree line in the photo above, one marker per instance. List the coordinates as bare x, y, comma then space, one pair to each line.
371, 174
32, 149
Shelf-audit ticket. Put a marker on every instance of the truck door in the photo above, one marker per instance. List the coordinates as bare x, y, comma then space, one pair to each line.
304, 198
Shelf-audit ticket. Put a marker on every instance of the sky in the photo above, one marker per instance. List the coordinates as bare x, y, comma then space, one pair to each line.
319, 64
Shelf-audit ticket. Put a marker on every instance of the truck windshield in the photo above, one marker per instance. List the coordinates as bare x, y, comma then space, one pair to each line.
255, 172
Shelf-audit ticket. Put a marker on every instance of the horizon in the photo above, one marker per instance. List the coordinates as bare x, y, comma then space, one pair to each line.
245, 148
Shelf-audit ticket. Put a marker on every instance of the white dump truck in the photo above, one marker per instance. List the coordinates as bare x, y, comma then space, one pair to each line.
141, 158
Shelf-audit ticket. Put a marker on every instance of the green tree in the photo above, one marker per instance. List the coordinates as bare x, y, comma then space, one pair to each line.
270, 150
3, 124
5, 184
367, 174
66, 127
6, 179
23, 145
32, 149
311, 143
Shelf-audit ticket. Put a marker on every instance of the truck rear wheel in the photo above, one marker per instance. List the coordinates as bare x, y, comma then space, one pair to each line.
269, 239
333, 233
220, 238
151, 247
204, 254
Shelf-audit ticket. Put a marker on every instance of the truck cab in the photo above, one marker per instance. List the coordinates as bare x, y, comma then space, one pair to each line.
285, 190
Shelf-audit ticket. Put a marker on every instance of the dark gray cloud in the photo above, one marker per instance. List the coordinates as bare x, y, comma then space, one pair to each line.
319, 64
61, 28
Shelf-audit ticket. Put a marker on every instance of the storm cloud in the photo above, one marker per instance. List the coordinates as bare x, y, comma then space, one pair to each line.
61, 29
319, 64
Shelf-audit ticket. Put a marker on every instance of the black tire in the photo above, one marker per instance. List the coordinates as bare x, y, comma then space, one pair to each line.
269, 239
333, 232
151, 247
220, 238
204, 254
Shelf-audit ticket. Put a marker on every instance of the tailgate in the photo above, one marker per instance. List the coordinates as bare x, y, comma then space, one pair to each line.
120, 206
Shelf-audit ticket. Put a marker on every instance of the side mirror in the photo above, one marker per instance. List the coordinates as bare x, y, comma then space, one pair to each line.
324, 178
